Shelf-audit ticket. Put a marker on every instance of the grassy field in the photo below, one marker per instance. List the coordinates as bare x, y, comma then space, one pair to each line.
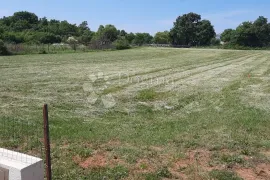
147, 113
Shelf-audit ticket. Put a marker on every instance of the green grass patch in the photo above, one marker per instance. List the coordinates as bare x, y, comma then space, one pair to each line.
224, 175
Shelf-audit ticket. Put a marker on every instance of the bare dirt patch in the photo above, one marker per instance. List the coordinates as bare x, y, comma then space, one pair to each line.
96, 161
260, 172
194, 157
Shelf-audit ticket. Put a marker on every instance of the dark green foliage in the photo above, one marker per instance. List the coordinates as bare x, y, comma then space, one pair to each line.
142, 38
122, 33
26, 27
130, 37
205, 33
28, 17
162, 38
108, 33
248, 34
189, 29
121, 43
215, 42
3, 49
48, 38
227, 35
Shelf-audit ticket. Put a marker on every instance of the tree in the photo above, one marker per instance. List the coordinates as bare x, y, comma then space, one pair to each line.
121, 43
123, 33
142, 38
44, 21
53, 27
227, 35
86, 37
106, 34
162, 37
13, 37
83, 27
245, 35
66, 29
251, 34
262, 30
185, 29
3, 48
85, 33
215, 42
130, 37
190, 30
1, 32
31, 18
49, 38
72, 42
109, 32
205, 33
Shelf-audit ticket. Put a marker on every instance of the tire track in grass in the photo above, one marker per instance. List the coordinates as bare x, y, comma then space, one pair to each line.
176, 71
200, 80
181, 65
261, 70
181, 75
255, 90
220, 77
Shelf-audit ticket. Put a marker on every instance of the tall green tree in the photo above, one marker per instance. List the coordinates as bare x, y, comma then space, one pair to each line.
31, 18
185, 29
262, 30
205, 33
246, 36
189, 29
130, 37
142, 38
252, 34
227, 35
106, 33
162, 37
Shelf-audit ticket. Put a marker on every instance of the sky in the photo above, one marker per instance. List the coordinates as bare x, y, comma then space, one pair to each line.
141, 15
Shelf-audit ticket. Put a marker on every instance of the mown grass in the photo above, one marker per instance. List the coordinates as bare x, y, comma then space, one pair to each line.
135, 130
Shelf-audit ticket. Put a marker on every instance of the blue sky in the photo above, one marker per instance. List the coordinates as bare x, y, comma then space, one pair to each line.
141, 15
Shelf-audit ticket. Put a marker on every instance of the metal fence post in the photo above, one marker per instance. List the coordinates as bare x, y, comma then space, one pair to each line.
47, 142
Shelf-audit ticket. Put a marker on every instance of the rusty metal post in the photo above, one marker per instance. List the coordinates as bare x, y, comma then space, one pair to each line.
47, 142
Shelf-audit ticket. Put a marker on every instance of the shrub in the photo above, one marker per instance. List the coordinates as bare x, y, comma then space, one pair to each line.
3, 48
215, 42
121, 43
72, 42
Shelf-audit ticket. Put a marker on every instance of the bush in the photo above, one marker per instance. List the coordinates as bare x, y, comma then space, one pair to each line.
239, 47
3, 48
121, 44
215, 42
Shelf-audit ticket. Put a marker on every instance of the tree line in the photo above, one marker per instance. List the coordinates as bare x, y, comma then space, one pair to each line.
27, 27
189, 29
249, 34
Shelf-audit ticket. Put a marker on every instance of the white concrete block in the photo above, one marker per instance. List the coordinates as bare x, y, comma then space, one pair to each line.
21, 166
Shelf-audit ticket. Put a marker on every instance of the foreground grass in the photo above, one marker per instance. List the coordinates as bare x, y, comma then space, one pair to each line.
179, 113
